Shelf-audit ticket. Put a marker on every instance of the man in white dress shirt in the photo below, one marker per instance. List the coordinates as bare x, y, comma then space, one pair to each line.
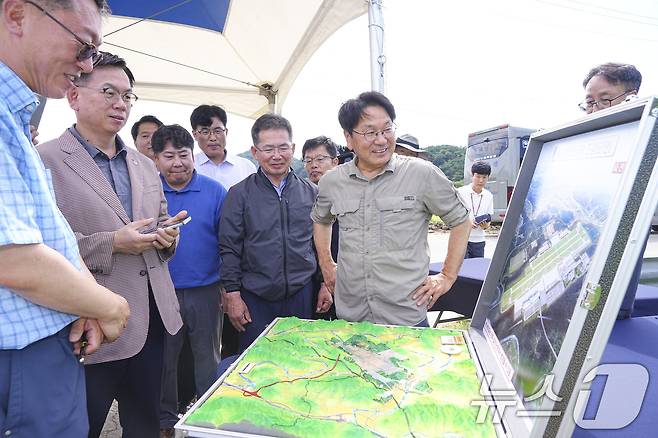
479, 202
209, 130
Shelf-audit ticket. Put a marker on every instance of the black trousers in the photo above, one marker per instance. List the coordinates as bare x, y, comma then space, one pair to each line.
133, 382
474, 250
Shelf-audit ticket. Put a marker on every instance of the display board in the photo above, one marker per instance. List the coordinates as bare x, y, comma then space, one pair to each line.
575, 227
336, 379
565, 210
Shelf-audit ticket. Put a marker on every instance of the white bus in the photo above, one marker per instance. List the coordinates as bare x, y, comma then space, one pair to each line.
502, 147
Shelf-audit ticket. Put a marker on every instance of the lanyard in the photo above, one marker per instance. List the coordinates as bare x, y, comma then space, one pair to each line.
473, 209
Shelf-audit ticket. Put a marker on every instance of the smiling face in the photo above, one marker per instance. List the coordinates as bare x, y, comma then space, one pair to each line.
94, 112
274, 153
51, 66
372, 155
176, 165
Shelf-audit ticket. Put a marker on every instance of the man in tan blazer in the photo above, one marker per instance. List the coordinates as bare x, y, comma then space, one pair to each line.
113, 199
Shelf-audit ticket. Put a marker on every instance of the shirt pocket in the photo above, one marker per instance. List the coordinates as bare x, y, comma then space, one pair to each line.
396, 221
350, 222
347, 214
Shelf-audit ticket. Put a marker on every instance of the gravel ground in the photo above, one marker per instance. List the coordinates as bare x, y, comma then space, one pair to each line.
112, 428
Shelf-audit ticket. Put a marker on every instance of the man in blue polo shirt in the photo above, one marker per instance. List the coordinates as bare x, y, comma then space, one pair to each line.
195, 267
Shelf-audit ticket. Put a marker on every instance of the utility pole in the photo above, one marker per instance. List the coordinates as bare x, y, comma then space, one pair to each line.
377, 57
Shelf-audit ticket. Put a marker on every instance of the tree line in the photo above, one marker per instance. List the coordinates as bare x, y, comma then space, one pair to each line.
448, 158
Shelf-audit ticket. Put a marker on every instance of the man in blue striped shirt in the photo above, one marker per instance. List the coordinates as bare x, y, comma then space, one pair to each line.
48, 299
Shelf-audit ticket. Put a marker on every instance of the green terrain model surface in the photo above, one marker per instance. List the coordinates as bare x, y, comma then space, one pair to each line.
338, 379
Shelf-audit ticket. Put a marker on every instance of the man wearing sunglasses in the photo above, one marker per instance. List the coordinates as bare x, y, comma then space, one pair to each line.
112, 197
48, 298
607, 85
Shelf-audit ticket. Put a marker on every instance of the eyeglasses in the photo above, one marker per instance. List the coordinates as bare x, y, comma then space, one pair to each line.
371, 136
588, 105
319, 159
283, 149
217, 131
88, 50
111, 95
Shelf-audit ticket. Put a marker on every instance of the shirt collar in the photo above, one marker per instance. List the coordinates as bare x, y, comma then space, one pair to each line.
353, 170
193, 186
15, 93
470, 187
229, 159
92, 149
284, 181
202, 158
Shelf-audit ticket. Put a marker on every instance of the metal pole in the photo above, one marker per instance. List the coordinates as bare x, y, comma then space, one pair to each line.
377, 57
267, 90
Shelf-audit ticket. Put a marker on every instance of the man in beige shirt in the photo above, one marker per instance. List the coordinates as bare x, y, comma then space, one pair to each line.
383, 203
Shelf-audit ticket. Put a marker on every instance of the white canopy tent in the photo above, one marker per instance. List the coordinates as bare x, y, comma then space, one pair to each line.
247, 65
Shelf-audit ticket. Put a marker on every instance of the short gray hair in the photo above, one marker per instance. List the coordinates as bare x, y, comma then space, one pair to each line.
270, 121
102, 5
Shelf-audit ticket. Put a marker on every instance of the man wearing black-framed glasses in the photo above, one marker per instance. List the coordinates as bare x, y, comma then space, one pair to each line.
48, 299
608, 85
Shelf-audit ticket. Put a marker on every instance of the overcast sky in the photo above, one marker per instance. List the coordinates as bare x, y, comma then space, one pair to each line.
454, 68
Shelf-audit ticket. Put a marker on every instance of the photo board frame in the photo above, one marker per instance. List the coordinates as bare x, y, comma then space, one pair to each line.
576, 224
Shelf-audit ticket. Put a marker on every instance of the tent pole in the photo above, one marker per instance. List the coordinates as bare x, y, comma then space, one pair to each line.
266, 89
377, 57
